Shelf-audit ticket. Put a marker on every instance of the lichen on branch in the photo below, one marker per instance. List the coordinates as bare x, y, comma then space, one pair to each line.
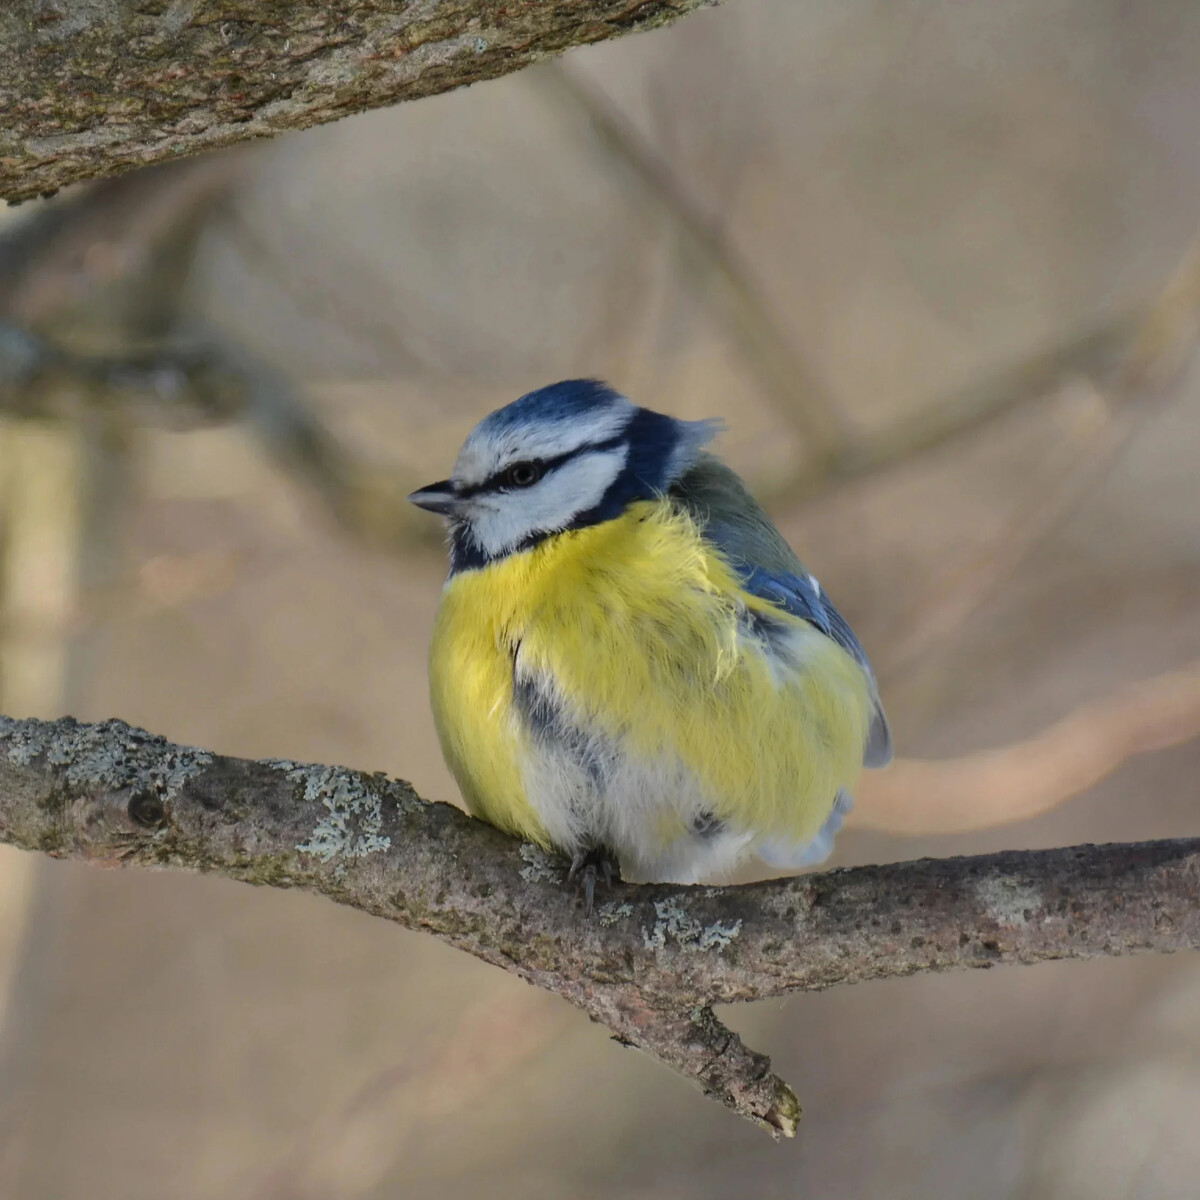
655, 958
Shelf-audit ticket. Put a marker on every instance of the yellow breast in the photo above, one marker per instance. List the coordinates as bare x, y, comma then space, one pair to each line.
642, 627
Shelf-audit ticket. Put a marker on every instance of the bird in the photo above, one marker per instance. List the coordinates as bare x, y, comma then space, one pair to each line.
629, 665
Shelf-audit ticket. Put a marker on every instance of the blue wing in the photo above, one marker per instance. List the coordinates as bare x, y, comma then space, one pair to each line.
801, 596
735, 525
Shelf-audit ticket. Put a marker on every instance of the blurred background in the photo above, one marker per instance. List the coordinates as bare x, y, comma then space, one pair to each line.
935, 266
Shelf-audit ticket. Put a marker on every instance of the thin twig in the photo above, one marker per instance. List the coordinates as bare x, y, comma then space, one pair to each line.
349, 1153
793, 384
965, 411
310, 294
1158, 350
654, 960
133, 235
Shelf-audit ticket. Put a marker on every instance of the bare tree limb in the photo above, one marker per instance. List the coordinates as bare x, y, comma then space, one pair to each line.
1031, 776
655, 958
115, 254
198, 377
92, 87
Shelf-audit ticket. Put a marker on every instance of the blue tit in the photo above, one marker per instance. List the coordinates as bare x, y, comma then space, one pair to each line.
628, 659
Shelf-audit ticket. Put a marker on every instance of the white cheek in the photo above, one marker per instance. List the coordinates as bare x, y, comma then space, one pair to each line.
503, 521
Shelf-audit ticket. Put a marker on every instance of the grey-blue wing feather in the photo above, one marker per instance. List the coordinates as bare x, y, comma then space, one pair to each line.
735, 523
802, 597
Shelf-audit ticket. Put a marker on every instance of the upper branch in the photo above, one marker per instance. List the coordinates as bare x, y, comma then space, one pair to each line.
655, 958
88, 88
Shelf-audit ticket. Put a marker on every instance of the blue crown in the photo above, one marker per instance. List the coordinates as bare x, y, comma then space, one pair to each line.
570, 399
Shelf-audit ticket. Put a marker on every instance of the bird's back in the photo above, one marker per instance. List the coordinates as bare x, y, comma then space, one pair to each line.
731, 518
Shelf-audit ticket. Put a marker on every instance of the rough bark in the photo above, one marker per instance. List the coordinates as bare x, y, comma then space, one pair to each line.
652, 960
91, 87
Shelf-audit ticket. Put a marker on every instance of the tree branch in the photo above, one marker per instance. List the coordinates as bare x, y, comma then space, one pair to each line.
88, 88
654, 960
1001, 785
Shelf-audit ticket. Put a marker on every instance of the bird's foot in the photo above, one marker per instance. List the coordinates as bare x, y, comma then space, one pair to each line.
589, 865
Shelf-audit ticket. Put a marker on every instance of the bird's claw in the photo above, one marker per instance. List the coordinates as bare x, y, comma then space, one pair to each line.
586, 867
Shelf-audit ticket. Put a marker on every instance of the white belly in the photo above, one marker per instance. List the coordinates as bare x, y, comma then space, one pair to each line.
590, 792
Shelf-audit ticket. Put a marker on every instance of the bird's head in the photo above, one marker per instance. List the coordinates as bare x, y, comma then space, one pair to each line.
572, 454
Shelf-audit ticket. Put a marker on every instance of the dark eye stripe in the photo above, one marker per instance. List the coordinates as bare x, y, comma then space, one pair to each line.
496, 482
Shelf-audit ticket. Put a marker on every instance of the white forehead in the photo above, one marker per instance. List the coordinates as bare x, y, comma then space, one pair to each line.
499, 439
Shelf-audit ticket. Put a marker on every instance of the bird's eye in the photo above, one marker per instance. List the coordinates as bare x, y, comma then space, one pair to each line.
523, 474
